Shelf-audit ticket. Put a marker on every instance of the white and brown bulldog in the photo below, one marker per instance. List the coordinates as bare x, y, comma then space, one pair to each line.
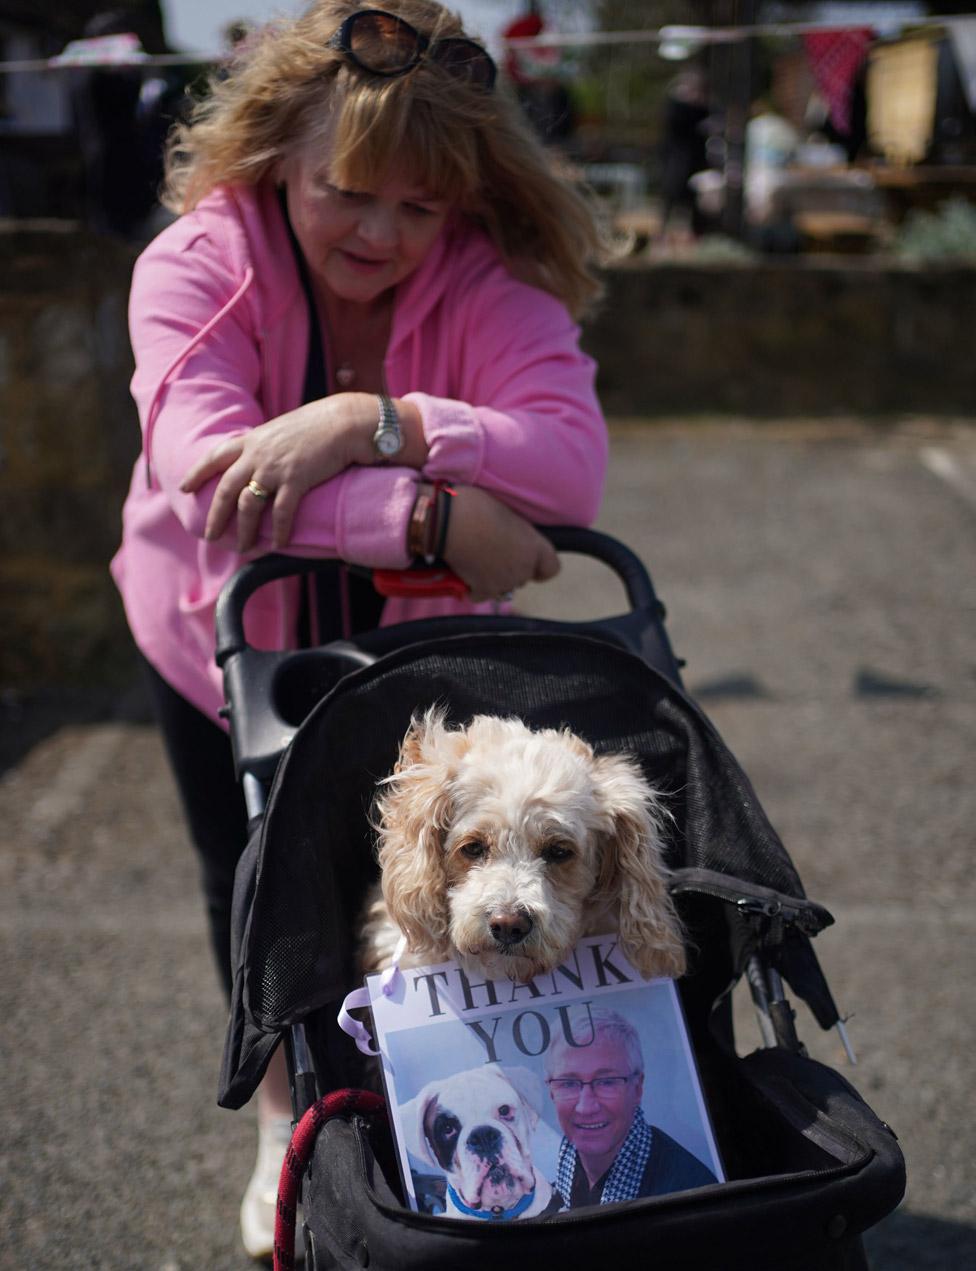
477, 1127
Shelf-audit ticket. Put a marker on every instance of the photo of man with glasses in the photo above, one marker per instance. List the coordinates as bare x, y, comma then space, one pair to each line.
609, 1151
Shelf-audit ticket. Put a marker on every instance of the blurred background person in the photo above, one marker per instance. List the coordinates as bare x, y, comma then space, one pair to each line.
684, 138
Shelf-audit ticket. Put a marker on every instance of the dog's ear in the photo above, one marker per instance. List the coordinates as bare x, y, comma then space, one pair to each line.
413, 1117
412, 815
527, 1086
632, 871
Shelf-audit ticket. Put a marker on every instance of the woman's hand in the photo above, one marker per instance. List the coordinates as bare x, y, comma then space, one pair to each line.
289, 455
493, 548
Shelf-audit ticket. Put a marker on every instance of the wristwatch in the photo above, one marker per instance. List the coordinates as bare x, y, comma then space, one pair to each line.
388, 439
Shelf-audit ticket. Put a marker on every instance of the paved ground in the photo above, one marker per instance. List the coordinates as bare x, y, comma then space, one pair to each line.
820, 583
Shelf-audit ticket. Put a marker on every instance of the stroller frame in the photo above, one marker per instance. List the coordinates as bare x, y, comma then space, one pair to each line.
269, 694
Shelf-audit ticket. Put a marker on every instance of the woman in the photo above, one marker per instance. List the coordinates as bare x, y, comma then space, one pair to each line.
368, 295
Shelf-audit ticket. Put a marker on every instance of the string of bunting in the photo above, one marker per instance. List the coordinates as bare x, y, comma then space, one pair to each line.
724, 34
125, 50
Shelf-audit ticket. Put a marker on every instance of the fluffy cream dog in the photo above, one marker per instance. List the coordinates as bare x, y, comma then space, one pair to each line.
502, 846
477, 1127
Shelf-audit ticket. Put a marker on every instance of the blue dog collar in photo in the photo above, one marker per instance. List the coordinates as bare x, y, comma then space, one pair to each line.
491, 1215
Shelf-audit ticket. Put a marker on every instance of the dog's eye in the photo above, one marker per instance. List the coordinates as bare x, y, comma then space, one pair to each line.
555, 853
474, 850
505, 1112
446, 1127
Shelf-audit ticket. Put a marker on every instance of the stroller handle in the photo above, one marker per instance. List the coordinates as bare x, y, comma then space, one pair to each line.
565, 538
268, 693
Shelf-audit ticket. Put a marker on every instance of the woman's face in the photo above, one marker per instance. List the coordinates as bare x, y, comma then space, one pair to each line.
359, 243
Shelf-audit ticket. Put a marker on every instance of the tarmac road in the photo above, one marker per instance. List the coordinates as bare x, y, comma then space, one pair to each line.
821, 585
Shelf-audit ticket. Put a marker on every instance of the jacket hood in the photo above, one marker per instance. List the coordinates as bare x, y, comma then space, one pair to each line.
248, 224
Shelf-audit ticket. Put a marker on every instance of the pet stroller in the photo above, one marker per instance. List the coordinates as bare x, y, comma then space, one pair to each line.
810, 1167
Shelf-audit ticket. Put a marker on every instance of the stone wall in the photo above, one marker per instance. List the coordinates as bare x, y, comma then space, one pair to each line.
791, 338
772, 339
68, 437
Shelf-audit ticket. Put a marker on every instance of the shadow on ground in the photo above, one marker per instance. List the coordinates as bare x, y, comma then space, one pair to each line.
28, 717
917, 1242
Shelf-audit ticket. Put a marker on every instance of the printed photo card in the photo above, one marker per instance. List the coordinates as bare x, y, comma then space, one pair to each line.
523, 1100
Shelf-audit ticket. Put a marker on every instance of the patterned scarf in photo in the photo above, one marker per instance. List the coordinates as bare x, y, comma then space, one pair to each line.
624, 1177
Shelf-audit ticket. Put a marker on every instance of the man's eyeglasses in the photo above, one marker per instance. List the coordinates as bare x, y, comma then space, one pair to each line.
383, 44
565, 1089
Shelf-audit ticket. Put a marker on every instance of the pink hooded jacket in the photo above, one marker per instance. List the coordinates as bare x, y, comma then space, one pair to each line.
219, 328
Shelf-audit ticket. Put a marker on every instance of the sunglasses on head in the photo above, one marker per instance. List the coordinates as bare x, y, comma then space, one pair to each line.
383, 44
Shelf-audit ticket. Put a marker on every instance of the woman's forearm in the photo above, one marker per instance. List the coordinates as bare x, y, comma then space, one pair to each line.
265, 473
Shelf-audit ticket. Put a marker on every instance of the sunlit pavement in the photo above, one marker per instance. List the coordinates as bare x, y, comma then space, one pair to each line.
820, 583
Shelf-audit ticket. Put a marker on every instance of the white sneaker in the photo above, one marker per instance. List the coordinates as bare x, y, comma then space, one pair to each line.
259, 1206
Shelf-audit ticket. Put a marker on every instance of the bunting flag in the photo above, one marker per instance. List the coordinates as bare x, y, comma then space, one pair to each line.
835, 59
102, 50
523, 65
962, 33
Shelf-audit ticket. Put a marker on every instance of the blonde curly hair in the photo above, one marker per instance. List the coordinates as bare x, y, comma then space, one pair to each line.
289, 88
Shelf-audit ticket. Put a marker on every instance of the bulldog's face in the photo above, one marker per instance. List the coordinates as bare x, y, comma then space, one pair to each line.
476, 1126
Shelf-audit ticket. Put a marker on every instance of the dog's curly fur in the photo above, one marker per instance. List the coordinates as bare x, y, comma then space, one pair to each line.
502, 847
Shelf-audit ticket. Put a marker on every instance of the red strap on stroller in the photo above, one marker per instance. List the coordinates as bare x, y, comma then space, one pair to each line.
412, 583
340, 1103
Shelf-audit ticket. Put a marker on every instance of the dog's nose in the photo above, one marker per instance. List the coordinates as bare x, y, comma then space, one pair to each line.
485, 1141
509, 928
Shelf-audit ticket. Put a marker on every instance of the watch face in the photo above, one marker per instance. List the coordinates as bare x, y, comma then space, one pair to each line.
388, 442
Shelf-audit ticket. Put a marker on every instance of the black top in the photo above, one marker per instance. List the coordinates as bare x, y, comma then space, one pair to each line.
670, 1168
329, 594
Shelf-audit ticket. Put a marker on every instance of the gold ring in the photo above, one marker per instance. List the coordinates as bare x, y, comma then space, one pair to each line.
258, 490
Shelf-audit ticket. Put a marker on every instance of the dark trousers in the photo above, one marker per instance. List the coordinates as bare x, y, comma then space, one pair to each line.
200, 755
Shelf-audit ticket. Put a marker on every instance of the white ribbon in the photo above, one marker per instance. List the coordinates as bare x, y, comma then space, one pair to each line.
359, 998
